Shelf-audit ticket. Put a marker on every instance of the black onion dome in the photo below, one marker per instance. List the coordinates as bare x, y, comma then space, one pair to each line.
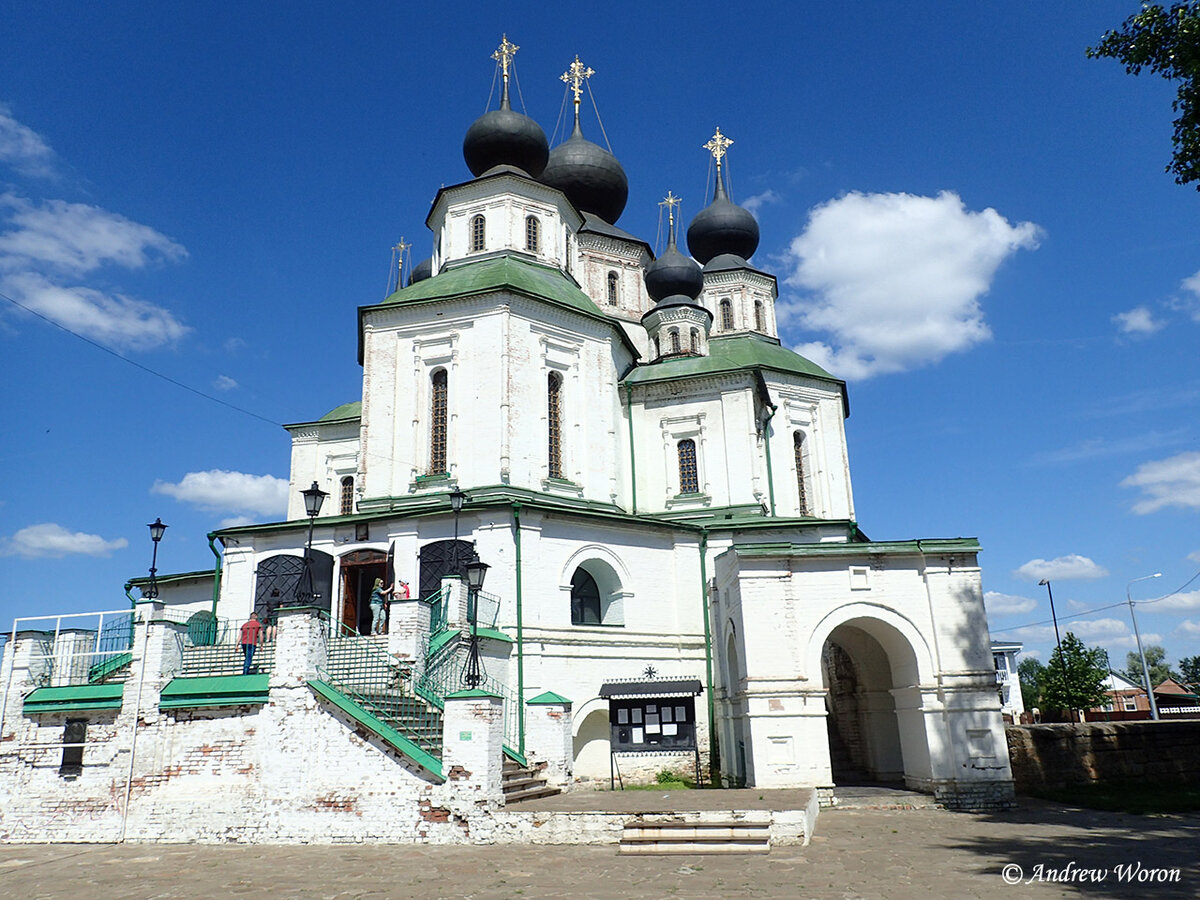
673, 273
589, 175
722, 227
421, 271
505, 137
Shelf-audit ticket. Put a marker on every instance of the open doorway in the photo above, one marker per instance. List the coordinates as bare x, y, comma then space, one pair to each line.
359, 571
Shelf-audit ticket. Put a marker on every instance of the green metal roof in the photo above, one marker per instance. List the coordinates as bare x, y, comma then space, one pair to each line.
74, 698
731, 353
889, 548
143, 580
352, 410
548, 698
214, 690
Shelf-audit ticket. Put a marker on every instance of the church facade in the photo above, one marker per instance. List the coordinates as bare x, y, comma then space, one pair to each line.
659, 488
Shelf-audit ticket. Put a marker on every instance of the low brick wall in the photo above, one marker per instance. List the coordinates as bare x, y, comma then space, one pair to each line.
1053, 756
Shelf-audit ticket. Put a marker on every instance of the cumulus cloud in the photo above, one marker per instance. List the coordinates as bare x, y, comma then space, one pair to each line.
998, 604
1187, 626
1138, 322
218, 490
1087, 630
77, 238
755, 203
23, 148
895, 280
50, 540
1186, 600
1071, 567
1174, 481
225, 383
1190, 302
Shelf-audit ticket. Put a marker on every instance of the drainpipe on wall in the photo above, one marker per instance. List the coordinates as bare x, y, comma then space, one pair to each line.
132, 601
632, 462
212, 535
516, 510
714, 758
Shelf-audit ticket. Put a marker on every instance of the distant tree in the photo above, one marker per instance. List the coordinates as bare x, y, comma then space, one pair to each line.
1189, 670
1074, 679
1031, 673
1156, 662
1166, 40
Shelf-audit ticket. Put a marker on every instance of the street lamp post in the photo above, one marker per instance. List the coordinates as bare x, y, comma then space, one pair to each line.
1138, 635
156, 533
1057, 640
313, 498
473, 672
457, 498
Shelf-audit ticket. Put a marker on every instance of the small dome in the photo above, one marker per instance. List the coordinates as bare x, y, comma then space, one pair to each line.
725, 262
505, 137
589, 175
673, 273
421, 271
722, 227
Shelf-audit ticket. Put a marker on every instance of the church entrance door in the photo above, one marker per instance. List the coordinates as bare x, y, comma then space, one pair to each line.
359, 571
442, 559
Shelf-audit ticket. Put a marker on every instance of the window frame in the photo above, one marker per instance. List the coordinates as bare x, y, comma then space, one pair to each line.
614, 288
688, 459
533, 234
439, 421
725, 307
554, 390
477, 235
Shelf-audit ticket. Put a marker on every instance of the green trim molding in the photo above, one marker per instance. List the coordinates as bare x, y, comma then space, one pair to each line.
548, 698
73, 698
214, 690
472, 694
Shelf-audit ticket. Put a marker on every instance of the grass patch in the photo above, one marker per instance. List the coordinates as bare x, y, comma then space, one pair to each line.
1139, 799
661, 786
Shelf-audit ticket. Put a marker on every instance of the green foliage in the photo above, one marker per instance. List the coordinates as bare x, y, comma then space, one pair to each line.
671, 778
1074, 679
1189, 670
1031, 673
1167, 42
1156, 661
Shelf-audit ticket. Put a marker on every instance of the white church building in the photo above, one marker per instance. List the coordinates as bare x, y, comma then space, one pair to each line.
661, 493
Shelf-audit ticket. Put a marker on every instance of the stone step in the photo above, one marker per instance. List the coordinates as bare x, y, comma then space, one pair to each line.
692, 849
522, 782
544, 790
695, 837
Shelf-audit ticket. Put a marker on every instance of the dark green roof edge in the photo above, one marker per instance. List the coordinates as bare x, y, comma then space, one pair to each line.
732, 353
547, 698
214, 690
889, 548
387, 733
168, 579
471, 694
347, 412
74, 697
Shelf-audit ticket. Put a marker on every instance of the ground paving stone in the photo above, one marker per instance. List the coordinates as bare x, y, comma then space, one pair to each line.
856, 853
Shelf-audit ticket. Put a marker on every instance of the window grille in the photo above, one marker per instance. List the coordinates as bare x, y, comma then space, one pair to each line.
437, 429
612, 288
801, 485
477, 234
689, 482
554, 423
726, 315
674, 341
347, 506
694, 341
760, 318
531, 234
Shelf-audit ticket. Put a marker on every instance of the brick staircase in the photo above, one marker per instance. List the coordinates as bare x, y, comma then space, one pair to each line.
673, 837
224, 659
524, 783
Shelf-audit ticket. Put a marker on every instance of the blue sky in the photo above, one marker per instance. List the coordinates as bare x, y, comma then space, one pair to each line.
969, 219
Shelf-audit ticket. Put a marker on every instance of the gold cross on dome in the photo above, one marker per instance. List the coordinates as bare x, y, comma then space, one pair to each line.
504, 53
576, 75
401, 246
670, 202
717, 145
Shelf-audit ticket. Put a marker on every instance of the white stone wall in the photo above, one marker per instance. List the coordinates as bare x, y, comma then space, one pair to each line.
325, 453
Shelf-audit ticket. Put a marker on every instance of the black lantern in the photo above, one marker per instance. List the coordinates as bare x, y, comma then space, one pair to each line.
476, 570
156, 534
313, 498
456, 500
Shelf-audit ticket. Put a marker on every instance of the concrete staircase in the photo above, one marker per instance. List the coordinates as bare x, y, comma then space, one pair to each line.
668, 836
524, 783
224, 659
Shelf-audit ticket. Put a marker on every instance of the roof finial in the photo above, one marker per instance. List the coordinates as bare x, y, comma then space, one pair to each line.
670, 202
575, 76
717, 145
503, 55
398, 253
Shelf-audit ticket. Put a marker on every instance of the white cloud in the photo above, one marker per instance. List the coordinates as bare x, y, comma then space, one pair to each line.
236, 522
1194, 556
1186, 600
1174, 481
895, 280
1190, 305
1187, 626
51, 540
1007, 604
77, 238
23, 148
755, 203
1071, 567
225, 383
1087, 630
112, 319
235, 492
1138, 321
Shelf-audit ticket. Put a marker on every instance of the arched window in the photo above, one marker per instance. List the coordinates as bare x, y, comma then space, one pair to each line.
478, 234
585, 599
675, 348
801, 481
437, 423
347, 498
657, 348
694, 341
726, 315
612, 288
760, 319
689, 482
531, 234
554, 423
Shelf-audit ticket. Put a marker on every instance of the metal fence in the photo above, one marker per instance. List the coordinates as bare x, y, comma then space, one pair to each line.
211, 645
445, 665
77, 648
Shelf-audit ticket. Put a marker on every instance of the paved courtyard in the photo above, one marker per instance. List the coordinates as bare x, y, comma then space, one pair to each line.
857, 853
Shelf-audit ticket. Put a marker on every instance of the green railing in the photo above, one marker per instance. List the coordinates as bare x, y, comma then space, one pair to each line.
213, 646
356, 667
438, 610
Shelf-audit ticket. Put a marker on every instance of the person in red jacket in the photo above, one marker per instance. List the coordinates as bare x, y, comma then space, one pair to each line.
251, 638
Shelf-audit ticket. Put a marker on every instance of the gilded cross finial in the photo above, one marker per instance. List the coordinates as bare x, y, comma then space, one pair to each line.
577, 73
717, 145
401, 246
670, 202
504, 54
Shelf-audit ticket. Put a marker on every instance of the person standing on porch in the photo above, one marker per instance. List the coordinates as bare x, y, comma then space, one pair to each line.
251, 638
378, 599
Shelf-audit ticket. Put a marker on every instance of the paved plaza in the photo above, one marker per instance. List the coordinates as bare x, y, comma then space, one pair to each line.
856, 853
